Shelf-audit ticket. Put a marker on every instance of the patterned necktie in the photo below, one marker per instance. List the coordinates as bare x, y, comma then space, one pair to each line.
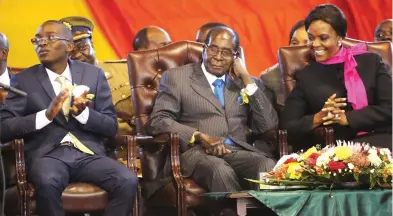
66, 110
219, 91
67, 102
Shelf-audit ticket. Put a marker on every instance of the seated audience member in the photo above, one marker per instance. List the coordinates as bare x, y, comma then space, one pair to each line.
82, 30
204, 30
64, 131
383, 32
201, 102
5, 72
151, 37
271, 77
348, 89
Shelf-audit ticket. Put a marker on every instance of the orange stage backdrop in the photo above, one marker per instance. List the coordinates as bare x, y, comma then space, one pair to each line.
263, 25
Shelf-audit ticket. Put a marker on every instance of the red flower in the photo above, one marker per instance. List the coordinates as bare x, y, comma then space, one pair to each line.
290, 160
314, 156
311, 162
334, 166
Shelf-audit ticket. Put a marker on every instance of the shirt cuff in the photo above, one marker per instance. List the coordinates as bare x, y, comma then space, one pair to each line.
83, 117
251, 89
41, 120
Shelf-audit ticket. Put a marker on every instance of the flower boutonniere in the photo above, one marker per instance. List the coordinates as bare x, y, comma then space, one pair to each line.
243, 98
78, 90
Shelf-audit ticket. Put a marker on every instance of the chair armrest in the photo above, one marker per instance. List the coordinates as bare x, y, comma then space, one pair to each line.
327, 133
171, 139
276, 136
21, 176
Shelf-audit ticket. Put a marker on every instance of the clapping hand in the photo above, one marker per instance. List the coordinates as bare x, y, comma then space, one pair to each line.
79, 104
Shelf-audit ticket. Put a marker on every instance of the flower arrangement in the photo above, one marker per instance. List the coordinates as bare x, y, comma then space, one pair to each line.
345, 162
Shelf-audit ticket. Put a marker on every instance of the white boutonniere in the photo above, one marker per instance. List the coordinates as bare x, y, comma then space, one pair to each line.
78, 90
243, 98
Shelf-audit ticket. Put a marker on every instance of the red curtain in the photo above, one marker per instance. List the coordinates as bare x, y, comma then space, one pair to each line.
263, 25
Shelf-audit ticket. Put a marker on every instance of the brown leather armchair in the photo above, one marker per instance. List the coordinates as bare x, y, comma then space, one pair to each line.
292, 59
145, 70
77, 197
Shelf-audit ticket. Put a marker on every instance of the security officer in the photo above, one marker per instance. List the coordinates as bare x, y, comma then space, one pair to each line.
116, 71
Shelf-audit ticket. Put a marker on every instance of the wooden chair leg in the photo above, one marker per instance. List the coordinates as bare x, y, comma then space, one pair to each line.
136, 211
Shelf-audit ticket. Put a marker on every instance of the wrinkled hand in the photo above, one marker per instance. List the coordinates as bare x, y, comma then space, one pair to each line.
3, 95
239, 70
331, 112
56, 105
213, 146
79, 104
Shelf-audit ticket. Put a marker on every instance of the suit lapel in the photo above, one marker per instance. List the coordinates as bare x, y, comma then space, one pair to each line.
202, 87
231, 93
76, 73
43, 79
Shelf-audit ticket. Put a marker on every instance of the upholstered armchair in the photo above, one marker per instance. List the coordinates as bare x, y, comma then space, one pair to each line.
145, 70
77, 197
292, 59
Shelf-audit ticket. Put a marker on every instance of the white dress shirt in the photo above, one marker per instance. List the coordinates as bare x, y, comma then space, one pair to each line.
250, 88
42, 120
5, 77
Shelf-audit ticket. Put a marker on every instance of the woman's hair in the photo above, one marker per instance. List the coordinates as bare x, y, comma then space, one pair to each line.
295, 27
330, 14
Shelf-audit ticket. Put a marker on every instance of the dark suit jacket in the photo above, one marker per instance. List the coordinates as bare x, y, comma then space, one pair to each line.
186, 103
271, 78
18, 115
316, 82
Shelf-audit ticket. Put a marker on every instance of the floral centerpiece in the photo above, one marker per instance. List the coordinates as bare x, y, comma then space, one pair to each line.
343, 163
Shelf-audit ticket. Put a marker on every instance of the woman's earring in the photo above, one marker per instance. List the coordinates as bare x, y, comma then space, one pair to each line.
339, 43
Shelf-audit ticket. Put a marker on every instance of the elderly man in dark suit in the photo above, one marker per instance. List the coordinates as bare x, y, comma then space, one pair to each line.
203, 104
64, 131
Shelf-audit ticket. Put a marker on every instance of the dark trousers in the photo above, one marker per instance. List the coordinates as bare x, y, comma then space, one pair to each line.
52, 173
226, 173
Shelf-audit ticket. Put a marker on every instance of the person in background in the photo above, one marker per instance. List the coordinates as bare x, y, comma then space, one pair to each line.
63, 131
348, 89
271, 77
383, 32
115, 71
151, 37
5, 72
204, 30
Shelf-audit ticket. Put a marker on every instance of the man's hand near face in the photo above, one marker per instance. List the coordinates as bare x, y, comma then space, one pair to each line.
239, 70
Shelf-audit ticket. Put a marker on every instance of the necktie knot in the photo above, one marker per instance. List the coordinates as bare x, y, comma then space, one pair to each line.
61, 79
218, 83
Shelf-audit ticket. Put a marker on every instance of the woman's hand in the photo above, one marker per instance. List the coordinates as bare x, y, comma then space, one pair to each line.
331, 112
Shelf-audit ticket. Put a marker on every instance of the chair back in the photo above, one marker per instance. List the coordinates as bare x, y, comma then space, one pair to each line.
293, 59
145, 69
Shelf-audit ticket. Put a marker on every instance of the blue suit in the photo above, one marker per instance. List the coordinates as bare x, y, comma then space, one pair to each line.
52, 166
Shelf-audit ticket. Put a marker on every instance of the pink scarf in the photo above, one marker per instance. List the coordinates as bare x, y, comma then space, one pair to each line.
355, 87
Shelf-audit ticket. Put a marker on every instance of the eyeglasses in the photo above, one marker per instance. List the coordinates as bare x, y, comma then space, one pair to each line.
214, 50
46, 40
380, 34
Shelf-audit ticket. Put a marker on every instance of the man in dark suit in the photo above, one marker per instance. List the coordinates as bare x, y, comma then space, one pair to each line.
63, 131
202, 103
